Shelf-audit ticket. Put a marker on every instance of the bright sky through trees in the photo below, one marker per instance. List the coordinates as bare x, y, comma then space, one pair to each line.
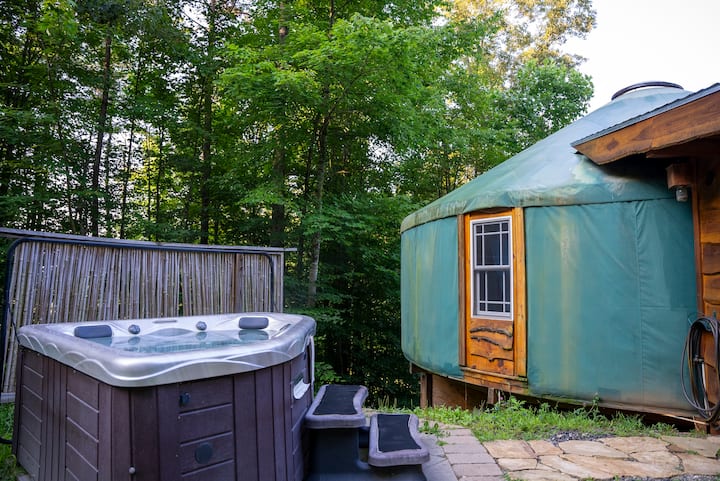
640, 40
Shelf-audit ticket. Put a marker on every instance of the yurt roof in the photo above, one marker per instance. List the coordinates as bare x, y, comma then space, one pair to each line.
552, 172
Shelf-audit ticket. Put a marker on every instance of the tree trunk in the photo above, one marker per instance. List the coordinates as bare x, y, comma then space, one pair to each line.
277, 220
206, 119
319, 190
102, 121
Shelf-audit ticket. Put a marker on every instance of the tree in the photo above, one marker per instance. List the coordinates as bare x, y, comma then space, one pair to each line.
530, 29
314, 124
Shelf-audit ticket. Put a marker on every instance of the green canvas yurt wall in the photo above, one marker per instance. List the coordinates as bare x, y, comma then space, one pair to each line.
609, 268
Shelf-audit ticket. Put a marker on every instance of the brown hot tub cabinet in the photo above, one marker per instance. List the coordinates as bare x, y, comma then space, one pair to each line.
82, 416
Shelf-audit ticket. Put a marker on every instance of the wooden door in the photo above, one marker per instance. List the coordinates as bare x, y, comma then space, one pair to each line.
494, 293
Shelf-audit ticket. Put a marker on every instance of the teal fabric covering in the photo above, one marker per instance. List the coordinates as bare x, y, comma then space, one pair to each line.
429, 296
551, 172
610, 288
609, 259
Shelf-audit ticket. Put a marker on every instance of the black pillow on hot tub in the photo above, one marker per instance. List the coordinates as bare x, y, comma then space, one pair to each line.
93, 332
253, 322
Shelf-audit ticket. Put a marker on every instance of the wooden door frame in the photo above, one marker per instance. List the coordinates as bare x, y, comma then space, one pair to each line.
519, 318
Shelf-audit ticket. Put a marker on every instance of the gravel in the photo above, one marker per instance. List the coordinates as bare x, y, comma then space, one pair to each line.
575, 436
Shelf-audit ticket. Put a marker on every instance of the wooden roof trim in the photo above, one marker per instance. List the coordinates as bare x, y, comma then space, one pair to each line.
695, 117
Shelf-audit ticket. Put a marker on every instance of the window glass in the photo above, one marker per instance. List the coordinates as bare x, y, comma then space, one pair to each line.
492, 269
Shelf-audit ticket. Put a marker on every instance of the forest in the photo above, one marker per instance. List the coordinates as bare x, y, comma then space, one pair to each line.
316, 125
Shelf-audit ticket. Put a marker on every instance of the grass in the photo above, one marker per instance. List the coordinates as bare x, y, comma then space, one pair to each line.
8, 466
514, 419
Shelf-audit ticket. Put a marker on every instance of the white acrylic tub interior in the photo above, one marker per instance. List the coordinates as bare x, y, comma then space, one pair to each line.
147, 352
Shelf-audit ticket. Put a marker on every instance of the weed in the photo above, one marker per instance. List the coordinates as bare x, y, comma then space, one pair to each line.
514, 419
8, 464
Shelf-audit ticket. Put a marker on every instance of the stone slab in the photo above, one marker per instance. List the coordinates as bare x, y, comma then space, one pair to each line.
696, 464
517, 464
463, 470
567, 466
590, 448
542, 448
542, 475
622, 467
510, 449
635, 444
701, 446
468, 458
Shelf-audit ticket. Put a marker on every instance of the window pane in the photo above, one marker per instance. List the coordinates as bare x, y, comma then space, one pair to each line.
505, 250
492, 268
495, 307
480, 286
492, 250
496, 285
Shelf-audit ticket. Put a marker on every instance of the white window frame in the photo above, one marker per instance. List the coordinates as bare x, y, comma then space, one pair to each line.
475, 269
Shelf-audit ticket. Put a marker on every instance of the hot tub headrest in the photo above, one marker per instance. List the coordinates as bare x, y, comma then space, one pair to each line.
93, 332
253, 322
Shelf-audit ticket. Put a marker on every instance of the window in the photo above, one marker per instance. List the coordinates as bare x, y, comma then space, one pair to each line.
491, 265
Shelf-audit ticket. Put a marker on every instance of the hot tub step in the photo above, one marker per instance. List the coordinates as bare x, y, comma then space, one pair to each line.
337, 406
395, 441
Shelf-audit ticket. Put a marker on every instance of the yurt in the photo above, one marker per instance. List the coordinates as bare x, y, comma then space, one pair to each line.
554, 277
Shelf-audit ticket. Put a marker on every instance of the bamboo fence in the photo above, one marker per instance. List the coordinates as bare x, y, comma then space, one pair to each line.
71, 278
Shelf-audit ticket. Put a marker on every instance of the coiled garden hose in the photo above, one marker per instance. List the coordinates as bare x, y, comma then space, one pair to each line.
696, 369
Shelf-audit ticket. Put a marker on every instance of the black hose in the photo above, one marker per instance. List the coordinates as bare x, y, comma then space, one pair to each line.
692, 356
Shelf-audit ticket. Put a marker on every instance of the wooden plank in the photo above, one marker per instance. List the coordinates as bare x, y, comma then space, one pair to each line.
519, 293
246, 427
496, 366
507, 383
168, 432
710, 258
488, 351
204, 423
265, 437
118, 454
203, 394
463, 286
223, 450
695, 197
711, 289
453, 393
710, 226
278, 421
691, 121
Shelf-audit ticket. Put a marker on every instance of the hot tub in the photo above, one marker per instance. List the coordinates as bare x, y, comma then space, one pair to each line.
193, 398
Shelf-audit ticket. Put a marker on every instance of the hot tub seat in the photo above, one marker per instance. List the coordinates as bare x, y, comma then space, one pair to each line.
336, 423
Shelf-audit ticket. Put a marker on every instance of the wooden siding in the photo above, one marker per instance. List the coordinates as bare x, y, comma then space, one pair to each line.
57, 278
706, 200
694, 122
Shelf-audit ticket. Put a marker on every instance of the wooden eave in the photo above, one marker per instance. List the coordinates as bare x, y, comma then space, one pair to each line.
659, 133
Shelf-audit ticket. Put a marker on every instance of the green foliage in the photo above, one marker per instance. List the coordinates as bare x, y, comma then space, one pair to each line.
305, 124
9, 470
514, 419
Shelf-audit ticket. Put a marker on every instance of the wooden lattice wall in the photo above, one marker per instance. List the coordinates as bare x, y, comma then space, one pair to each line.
54, 278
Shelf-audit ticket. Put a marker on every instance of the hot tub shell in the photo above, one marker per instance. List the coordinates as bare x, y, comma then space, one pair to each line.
90, 412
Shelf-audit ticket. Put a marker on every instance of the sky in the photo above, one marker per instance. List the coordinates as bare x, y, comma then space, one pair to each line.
642, 40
